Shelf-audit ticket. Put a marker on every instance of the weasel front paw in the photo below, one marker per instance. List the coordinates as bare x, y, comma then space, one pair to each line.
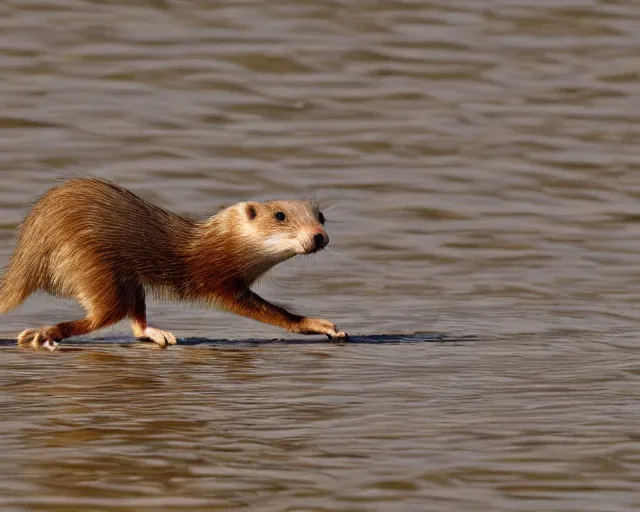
37, 339
339, 335
320, 326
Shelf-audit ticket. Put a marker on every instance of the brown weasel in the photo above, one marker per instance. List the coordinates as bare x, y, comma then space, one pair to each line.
94, 241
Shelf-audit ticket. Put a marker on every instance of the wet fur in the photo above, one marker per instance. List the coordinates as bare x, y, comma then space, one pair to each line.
98, 243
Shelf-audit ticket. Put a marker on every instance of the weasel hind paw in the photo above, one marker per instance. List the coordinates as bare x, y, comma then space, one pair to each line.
37, 339
162, 338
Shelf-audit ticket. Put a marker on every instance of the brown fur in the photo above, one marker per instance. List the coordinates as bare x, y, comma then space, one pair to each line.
98, 243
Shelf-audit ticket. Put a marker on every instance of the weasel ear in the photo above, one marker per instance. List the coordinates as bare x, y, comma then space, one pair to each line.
250, 210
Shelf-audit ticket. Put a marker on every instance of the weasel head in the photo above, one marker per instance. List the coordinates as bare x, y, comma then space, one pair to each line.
245, 240
282, 229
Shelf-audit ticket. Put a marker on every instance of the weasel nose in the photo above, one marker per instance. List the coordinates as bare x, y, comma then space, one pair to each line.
320, 240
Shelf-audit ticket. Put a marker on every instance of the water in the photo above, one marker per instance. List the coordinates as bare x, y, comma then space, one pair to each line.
477, 162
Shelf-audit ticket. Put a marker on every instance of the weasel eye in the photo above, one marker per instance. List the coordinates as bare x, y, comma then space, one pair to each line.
321, 217
280, 216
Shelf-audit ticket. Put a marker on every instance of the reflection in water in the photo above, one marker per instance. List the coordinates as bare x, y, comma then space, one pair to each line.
477, 163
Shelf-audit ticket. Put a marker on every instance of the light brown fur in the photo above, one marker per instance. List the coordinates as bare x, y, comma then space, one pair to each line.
98, 243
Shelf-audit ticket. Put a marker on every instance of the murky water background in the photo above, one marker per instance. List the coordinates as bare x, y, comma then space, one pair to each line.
479, 165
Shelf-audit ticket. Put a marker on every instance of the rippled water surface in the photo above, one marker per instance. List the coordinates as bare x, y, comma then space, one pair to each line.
478, 163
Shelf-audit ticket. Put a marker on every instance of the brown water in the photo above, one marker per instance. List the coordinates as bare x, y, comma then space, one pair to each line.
479, 162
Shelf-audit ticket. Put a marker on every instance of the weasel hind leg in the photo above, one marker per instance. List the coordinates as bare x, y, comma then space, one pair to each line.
47, 338
102, 311
141, 329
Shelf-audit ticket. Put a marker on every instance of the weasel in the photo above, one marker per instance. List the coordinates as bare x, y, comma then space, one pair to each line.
94, 241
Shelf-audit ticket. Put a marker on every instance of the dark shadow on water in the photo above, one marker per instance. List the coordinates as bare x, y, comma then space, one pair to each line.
367, 339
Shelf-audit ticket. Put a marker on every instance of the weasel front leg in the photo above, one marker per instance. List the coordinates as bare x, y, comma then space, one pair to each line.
251, 305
